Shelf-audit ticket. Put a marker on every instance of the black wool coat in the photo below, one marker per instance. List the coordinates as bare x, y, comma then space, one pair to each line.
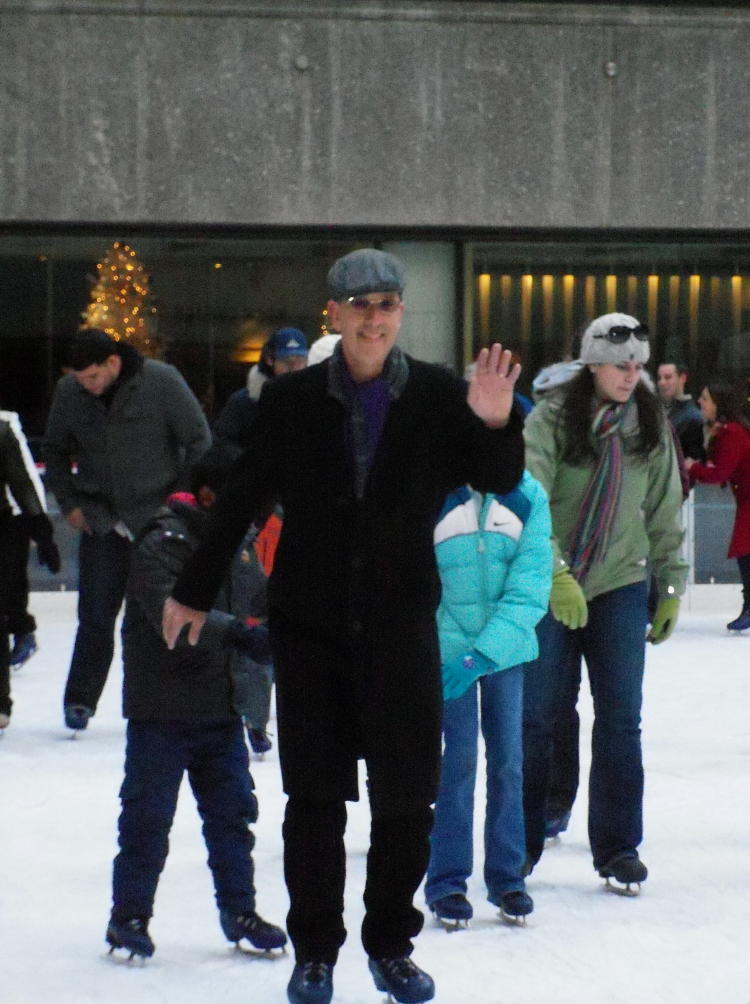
352, 574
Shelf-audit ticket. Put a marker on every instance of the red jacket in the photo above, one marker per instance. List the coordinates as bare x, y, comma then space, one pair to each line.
729, 460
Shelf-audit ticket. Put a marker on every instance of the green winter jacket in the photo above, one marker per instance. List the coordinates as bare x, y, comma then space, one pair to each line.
647, 525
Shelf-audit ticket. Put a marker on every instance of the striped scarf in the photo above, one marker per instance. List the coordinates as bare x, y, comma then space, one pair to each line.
590, 536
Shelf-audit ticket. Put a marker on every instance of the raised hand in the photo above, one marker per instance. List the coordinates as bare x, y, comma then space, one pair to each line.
491, 388
175, 616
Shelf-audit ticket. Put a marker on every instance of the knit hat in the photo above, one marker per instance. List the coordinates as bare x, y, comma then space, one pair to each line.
322, 348
615, 338
366, 271
287, 342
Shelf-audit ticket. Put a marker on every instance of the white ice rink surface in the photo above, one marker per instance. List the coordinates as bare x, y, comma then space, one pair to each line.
685, 940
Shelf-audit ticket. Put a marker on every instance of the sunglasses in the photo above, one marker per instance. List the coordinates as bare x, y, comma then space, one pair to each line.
621, 332
387, 304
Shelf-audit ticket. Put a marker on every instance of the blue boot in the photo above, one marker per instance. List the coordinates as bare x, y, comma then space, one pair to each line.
311, 983
516, 906
453, 910
402, 979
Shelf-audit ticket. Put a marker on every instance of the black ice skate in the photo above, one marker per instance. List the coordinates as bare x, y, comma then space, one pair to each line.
23, 648
77, 717
628, 870
402, 980
515, 907
311, 983
453, 911
259, 742
249, 926
132, 935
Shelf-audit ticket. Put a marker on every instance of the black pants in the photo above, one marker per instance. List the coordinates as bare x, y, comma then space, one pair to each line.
20, 621
315, 872
338, 702
6, 588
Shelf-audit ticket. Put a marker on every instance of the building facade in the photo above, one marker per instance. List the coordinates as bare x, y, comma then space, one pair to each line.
533, 163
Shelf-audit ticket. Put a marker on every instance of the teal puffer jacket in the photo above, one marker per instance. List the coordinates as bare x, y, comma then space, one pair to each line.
495, 562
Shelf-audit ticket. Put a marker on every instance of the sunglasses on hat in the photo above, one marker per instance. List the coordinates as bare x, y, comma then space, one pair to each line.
619, 333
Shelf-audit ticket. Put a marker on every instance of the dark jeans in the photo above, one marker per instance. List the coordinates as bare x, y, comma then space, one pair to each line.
565, 756
216, 760
315, 872
743, 563
104, 562
613, 645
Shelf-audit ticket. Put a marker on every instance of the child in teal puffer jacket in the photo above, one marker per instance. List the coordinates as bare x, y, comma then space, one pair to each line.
495, 561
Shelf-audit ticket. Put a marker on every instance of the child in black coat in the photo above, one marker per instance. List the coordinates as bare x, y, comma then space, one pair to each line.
184, 711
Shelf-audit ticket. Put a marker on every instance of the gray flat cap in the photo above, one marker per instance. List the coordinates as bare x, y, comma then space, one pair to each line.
366, 271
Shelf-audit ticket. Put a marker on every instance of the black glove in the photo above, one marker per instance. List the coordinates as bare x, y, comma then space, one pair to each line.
251, 641
48, 555
40, 531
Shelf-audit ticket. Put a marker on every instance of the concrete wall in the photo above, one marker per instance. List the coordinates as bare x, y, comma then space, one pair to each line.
408, 114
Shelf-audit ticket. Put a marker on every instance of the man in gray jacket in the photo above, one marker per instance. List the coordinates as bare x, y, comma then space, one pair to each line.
121, 434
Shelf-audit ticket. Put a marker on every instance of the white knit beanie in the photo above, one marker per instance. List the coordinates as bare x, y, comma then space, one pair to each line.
597, 348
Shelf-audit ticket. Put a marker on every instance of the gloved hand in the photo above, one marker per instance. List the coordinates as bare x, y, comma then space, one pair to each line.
665, 619
48, 554
42, 533
567, 600
253, 642
461, 672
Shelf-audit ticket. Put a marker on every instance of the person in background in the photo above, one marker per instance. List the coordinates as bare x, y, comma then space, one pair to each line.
21, 622
361, 451
728, 462
602, 449
122, 432
284, 352
682, 412
184, 710
15, 477
495, 564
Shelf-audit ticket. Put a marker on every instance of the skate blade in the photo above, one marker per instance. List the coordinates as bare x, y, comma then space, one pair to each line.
552, 841
631, 890
131, 959
512, 919
260, 953
451, 926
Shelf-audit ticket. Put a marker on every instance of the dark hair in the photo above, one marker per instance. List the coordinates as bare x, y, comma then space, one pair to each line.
679, 368
212, 469
729, 404
576, 418
91, 347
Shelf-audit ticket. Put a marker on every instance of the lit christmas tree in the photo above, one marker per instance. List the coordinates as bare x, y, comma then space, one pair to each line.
121, 302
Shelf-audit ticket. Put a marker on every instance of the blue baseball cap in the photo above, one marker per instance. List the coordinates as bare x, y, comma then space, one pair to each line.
287, 342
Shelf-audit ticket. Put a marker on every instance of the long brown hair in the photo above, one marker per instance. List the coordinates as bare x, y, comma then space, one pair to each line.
576, 418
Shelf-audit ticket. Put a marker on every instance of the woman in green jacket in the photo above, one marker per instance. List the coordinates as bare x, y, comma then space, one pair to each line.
602, 449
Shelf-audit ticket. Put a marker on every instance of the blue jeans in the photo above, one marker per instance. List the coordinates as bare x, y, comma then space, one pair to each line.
216, 760
613, 645
451, 858
104, 562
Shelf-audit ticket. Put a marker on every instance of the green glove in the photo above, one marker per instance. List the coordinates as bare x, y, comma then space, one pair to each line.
567, 600
665, 619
